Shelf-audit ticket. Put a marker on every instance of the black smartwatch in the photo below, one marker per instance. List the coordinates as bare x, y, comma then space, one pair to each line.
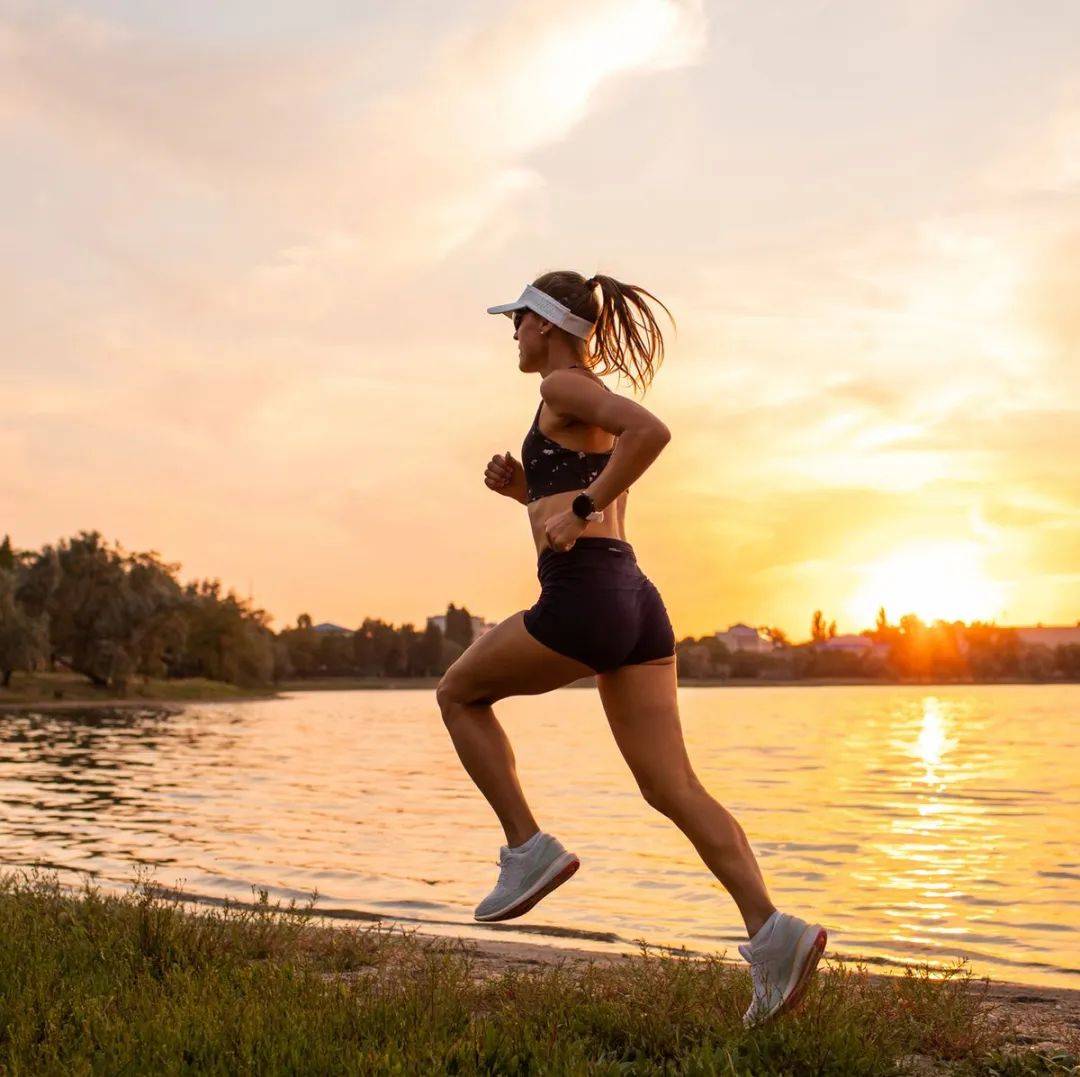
585, 508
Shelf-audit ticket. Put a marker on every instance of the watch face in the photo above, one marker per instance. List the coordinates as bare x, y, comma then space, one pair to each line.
582, 506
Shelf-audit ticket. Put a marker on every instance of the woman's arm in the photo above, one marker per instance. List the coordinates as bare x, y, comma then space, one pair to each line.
641, 434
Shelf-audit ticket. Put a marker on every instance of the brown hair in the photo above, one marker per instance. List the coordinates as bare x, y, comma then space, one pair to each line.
627, 337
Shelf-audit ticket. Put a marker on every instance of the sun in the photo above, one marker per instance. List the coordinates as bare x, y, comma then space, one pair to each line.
937, 580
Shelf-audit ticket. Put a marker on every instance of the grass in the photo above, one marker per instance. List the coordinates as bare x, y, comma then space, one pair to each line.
133, 983
73, 687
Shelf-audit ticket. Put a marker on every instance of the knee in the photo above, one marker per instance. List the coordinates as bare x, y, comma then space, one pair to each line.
448, 696
452, 694
672, 796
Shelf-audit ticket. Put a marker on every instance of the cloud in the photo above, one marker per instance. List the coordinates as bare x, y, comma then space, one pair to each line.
245, 273
378, 189
299, 211
211, 236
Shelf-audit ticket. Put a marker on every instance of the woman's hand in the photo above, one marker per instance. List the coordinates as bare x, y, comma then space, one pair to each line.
506, 476
564, 529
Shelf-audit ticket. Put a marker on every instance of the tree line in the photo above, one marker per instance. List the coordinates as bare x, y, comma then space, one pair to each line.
92, 607
908, 650
111, 615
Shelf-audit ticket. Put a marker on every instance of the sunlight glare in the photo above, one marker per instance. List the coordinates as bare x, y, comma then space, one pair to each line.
943, 580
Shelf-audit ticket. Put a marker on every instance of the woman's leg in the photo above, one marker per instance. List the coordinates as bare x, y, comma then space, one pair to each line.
640, 703
506, 661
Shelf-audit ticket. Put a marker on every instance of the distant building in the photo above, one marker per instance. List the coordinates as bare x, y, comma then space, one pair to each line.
329, 629
852, 644
1049, 636
742, 637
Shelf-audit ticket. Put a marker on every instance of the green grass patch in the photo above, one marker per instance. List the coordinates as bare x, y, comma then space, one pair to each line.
73, 687
133, 983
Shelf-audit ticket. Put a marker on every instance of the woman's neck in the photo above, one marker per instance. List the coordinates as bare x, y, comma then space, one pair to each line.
552, 367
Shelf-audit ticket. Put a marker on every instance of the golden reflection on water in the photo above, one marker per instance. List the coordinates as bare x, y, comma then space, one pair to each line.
916, 824
933, 740
938, 837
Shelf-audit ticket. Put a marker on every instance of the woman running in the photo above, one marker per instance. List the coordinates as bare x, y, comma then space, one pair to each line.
599, 614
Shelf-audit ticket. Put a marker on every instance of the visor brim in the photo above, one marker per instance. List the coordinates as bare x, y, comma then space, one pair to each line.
508, 308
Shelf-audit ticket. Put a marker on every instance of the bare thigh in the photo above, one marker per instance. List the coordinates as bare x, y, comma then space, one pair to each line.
508, 661
642, 709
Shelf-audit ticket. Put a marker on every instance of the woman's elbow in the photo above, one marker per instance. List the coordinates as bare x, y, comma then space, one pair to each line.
652, 433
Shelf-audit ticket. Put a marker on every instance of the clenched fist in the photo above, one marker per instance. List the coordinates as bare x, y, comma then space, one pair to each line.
506, 476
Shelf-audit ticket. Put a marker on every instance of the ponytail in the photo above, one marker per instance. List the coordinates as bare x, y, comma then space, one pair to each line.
627, 337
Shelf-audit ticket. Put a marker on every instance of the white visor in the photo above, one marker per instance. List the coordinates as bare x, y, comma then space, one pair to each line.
547, 307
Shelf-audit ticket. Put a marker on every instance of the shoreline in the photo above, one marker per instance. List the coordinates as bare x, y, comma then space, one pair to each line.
175, 704
1043, 1018
259, 985
170, 706
1047, 1017
344, 684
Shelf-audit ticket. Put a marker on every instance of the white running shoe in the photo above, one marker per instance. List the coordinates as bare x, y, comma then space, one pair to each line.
525, 877
781, 964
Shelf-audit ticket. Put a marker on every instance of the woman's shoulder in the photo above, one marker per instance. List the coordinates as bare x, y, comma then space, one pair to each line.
560, 390
592, 376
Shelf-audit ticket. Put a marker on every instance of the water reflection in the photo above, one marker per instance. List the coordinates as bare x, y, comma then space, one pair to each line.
916, 824
933, 740
938, 841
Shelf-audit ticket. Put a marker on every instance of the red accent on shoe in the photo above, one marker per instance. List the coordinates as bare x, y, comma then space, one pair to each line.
523, 907
812, 958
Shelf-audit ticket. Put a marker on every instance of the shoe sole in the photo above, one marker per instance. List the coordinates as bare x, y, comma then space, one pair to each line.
560, 871
801, 977
810, 963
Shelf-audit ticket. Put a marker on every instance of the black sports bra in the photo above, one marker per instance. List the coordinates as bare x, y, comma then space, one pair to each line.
551, 468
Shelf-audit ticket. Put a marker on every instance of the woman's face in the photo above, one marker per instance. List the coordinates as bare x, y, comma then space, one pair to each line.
532, 343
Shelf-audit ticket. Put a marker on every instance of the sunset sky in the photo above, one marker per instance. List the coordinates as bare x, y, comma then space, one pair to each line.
247, 249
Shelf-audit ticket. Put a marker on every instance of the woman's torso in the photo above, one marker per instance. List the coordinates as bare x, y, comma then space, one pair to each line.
564, 441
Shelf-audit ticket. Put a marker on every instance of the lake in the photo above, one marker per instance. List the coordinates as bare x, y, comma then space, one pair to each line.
916, 823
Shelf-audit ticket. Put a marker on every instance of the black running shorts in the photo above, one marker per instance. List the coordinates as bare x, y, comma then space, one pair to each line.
596, 605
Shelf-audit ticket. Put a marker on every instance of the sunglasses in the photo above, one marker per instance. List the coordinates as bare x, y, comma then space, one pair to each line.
518, 316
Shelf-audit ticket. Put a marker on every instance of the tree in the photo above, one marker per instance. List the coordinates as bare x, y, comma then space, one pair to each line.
430, 650
459, 625
24, 639
227, 640
302, 646
335, 653
993, 652
7, 555
1037, 662
817, 627
777, 637
912, 653
1068, 659
374, 647
110, 612
283, 666
693, 659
